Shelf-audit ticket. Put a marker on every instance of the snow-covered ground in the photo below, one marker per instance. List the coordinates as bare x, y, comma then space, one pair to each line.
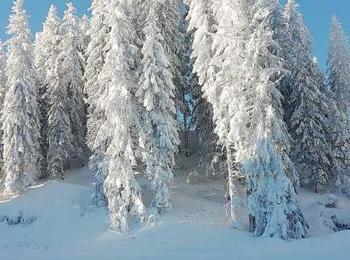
57, 221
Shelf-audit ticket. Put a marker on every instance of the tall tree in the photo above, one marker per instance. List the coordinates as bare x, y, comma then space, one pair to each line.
39, 61
339, 83
187, 78
170, 17
49, 64
220, 52
201, 28
2, 98
21, 126
72, 63
308, 107
121, 189
96, 55
155, 92
272, 200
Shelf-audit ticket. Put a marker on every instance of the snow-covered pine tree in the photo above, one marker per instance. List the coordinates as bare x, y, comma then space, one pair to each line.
72, 66
3, 81
155, 92
201, 30
308, 107
96, 56
272, 200
21, 125
55, 96
339, 83
121, 189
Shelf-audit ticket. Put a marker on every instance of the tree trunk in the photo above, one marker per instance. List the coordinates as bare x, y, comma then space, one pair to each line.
233, 171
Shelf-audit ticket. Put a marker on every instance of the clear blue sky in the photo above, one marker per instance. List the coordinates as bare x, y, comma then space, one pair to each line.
317, 14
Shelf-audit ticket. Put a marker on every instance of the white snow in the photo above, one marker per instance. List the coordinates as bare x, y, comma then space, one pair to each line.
59, 222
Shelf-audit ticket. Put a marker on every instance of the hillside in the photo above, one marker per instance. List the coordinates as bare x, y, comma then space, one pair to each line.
56, 220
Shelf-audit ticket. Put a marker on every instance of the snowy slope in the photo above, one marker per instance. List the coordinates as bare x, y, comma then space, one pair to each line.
57, 221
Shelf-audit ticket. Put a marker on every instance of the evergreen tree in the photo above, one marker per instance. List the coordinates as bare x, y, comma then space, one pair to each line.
72, 66
187, 79
45, 53
202, 27
308, 107
170, 17
59, 129
96, 55
155, 92
21, 126
2, 98
122, 191
339, 83
220, 64
272, 201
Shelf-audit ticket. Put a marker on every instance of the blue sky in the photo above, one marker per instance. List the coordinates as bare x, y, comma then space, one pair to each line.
317, 14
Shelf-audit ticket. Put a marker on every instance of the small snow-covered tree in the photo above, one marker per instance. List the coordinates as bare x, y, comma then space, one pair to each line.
155, 92
96, 55
308, 107
339, 83
122, 191
272, 200
72, 66
21, 126
2, 98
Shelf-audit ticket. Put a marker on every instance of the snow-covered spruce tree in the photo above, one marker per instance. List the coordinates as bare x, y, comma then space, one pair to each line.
308, 107
122, 191
155, 92
96, 55
21, 125
339, 83
72, 66
201, 30
3, 81
223, 79
272, 201
39, 59
55, 95
44, 46
170, 16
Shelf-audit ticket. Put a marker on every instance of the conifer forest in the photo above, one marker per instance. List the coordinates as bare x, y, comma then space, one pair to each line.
173, 129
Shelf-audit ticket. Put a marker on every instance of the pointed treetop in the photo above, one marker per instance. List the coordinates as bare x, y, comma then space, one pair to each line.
335, 20
292, 4
70, 13
336, 25
18, 6
52, 10
70, 8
